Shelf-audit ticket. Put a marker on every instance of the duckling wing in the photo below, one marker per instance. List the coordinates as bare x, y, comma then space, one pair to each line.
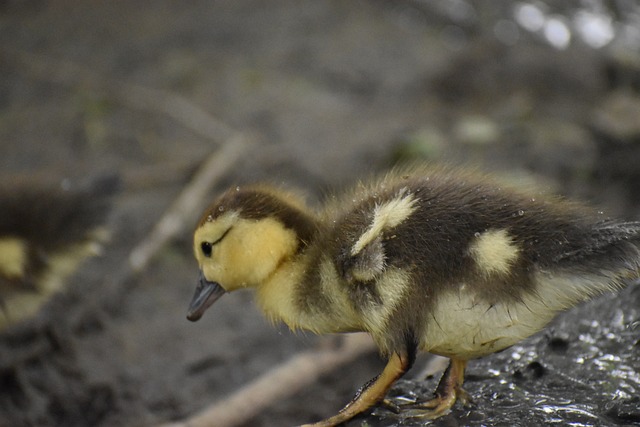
364, 266
361, 254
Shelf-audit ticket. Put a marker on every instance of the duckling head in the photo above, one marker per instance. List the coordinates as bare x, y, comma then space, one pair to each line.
242, 239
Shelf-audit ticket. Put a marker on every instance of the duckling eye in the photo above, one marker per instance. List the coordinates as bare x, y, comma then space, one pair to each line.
206, 249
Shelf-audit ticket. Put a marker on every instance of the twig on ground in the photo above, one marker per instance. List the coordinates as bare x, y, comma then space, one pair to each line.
189, 203
279, 383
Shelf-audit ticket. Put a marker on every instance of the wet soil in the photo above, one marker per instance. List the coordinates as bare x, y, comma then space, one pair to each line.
331, 91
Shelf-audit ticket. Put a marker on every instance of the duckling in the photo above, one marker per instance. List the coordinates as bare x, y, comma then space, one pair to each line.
423, 259
46, 230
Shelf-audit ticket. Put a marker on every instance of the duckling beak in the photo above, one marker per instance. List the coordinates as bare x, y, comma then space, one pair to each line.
206, 294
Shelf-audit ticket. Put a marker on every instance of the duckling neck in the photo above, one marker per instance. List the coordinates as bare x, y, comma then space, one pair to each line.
294, 296
274, 295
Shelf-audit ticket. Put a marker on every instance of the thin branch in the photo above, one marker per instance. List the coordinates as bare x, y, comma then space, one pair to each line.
279, 383
189, 203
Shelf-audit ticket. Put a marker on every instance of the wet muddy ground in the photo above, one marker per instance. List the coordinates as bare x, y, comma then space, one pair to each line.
329, 92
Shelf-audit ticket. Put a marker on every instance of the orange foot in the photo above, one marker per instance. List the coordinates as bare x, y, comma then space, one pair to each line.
372, 392
449, 391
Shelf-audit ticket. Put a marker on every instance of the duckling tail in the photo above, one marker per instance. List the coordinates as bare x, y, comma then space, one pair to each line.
611, 257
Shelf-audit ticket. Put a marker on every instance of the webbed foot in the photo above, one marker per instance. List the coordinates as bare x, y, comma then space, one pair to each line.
448, 392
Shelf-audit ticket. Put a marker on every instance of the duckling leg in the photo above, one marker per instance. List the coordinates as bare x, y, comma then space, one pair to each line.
372, 392
448, 391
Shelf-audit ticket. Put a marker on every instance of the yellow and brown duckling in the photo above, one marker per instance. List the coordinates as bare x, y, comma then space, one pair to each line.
436, 260
46, 229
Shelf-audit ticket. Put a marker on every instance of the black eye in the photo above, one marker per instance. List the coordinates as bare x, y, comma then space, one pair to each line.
206, 249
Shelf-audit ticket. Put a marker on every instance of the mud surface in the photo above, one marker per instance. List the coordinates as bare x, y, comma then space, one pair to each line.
331, 91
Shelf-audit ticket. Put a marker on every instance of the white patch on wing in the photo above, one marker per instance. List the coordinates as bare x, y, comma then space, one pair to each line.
494, 251
387, 215
463, 325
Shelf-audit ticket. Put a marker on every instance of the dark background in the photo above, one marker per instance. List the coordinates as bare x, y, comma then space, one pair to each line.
329, 91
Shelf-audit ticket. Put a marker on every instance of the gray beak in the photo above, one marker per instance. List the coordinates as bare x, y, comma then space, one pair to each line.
206, 294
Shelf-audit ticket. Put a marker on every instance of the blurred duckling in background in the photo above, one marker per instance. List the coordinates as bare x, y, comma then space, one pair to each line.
46, 231
436, 260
